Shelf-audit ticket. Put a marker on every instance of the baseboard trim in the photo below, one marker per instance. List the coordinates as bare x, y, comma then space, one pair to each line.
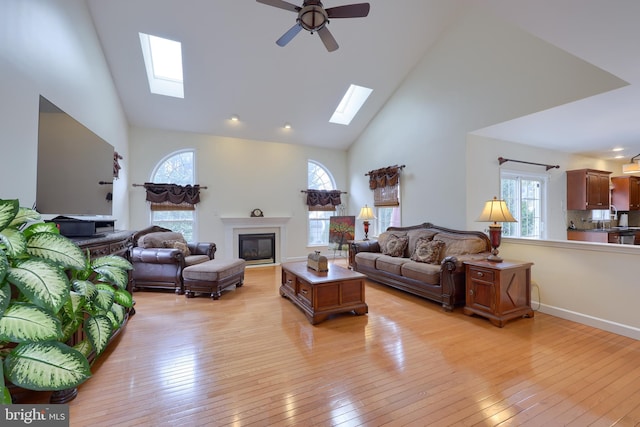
605, 325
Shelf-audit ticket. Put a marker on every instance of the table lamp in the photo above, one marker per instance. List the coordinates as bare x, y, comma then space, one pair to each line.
366, 214
495, 211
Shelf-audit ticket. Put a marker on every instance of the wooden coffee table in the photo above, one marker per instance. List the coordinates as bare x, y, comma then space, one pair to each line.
321, 294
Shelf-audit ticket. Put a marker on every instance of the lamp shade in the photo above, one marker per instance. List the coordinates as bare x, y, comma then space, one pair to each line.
366, 213
496, 211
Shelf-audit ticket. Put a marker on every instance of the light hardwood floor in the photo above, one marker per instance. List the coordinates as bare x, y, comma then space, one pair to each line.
252, 359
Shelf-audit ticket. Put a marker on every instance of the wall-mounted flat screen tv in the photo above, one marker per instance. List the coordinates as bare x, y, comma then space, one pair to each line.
72, 163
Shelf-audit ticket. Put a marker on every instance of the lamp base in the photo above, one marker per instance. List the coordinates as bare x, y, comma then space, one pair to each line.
494, 258
495, 234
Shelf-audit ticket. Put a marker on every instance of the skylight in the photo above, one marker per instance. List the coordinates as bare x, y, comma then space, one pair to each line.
351, 103
163, 61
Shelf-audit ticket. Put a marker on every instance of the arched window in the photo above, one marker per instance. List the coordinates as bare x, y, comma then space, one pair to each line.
176, 168
319, 178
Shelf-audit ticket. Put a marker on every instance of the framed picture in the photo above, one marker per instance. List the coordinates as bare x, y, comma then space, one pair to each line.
341, 229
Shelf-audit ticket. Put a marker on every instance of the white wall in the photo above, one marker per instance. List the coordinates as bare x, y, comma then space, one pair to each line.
483, 177
50, 48
241, 175
481, 72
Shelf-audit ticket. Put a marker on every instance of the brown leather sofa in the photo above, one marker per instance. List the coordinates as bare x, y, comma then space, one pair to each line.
158, 260
441, 279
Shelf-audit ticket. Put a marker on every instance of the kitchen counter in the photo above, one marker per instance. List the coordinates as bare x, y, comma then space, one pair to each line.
605, 235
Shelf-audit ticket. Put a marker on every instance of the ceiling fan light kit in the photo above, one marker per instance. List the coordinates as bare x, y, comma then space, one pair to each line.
313, 17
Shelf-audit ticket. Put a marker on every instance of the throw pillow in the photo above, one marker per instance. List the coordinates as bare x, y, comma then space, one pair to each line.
427, 251
176, 244
395, 245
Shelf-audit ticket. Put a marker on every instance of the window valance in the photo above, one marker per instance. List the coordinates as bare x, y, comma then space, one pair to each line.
323, 200
384, 177
385, 183
172, 196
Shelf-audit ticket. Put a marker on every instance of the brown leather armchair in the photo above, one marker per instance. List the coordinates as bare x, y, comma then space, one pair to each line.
158, 260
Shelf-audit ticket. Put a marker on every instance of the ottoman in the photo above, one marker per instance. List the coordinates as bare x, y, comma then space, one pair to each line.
213, 276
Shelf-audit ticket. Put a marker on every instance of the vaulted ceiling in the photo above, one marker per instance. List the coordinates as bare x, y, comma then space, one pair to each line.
233, 66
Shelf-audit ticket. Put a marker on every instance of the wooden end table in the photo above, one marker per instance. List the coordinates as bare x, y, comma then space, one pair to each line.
321, 294
499, 291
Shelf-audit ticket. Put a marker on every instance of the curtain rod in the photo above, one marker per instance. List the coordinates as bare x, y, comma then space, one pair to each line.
503, 160
388, 167
142, 185
306, 191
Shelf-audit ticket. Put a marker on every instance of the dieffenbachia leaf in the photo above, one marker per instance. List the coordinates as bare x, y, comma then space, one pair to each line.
8, 211
14, 241
44, 283
24, 322
56, 248
23, 216
98, 330
44, 366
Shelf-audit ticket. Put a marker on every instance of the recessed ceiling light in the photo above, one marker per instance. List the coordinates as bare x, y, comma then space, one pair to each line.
618, 149
287, 125
235, 118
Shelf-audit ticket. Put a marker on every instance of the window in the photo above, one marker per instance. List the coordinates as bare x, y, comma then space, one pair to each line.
177, 168
319, 178
525, 195
350, 104
386, 216
163, 61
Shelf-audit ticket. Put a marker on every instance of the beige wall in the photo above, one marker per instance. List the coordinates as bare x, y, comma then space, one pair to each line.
50, 48
241, 175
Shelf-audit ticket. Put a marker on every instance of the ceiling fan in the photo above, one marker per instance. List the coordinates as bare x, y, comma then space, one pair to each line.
312, 16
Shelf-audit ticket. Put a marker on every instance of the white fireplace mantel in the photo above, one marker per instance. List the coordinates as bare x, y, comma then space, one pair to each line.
233, 224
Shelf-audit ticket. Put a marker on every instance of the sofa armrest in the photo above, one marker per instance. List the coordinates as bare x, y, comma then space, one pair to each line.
157, 255
365, 246
203, 248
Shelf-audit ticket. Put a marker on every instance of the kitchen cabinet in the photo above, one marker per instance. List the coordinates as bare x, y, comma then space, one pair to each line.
625, 195
499, 291
587, 189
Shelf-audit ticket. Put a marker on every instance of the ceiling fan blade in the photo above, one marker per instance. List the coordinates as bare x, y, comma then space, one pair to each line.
281, 4
327, 38
359, 10
286, 37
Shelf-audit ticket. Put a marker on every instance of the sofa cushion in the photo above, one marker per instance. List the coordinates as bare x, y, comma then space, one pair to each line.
427, 251
156, 240
395, 246
427, 273
367, 259
195, 259
415, 235
383, 238
462, 244
390, 264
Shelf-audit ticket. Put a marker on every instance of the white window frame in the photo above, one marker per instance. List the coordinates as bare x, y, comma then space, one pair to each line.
319, 216
191, 181
515, 229
384, 221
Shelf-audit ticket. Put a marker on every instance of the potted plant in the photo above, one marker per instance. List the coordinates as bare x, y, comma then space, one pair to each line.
49, 290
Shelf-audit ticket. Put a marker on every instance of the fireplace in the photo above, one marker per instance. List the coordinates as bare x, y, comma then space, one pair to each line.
259, 248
